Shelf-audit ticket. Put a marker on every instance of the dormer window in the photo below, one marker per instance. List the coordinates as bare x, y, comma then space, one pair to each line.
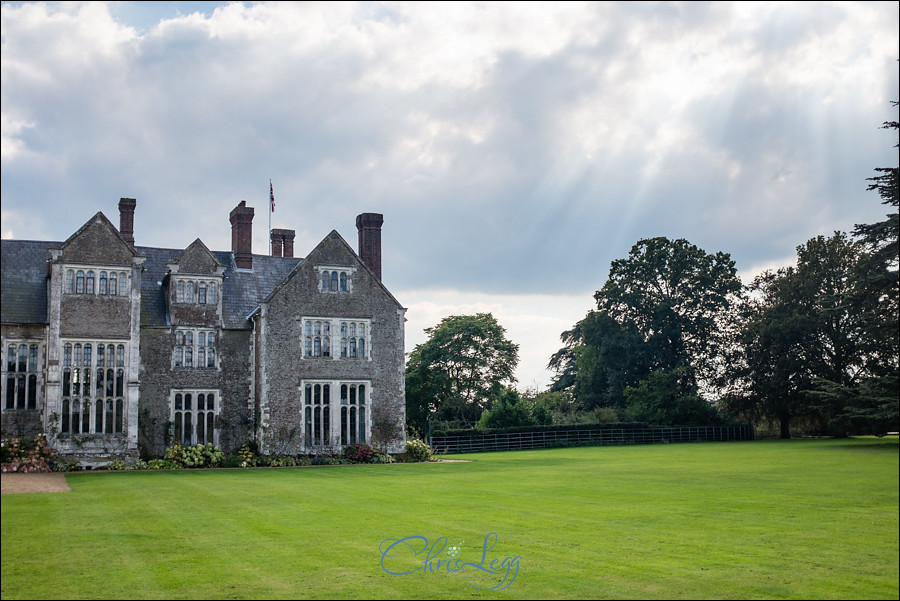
195, 292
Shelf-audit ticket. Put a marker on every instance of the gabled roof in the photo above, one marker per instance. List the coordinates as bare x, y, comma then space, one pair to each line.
99, 219
244, 289
333, 237
194, 257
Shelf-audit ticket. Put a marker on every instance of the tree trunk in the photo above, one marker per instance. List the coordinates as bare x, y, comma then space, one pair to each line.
785, 425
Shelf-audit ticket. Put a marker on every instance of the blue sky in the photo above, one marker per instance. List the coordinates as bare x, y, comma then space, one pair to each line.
514, 148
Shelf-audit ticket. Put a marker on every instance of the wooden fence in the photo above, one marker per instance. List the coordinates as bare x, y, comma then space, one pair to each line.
514, 441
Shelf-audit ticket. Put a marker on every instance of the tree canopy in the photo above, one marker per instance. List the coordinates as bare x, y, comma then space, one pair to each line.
458, 372
798, 329
662, 308
676, 296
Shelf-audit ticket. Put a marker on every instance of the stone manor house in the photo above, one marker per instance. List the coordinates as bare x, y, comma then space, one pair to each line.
114, 349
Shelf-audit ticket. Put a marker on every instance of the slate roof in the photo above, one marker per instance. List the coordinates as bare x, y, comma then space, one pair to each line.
241, 292
24, 281
245, 289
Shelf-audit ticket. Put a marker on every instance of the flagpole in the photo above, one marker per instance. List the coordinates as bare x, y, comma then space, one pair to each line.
271, 202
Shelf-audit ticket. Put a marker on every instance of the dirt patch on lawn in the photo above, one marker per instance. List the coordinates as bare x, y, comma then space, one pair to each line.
20, 483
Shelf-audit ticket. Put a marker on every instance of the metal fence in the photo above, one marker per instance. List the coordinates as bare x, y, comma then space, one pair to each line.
514, 441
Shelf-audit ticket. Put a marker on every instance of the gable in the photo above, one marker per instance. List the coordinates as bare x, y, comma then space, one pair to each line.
332, 254
197, 260
98, 242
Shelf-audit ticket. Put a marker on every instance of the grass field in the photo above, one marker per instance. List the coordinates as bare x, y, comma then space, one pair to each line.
803, 519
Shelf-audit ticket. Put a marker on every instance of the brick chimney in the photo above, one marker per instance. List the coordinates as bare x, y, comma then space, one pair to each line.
282, 243
369, 226
276, 241
126, 219
242, 235
289, 243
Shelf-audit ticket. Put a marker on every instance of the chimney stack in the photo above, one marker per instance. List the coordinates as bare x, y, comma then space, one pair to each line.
289, 243
242, 235
126, 219
369, 226
276, 243
282, 243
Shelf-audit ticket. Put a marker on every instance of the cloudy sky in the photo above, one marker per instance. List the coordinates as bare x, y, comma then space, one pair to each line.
514, 148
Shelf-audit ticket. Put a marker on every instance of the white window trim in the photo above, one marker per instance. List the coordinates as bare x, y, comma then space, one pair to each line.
114, 421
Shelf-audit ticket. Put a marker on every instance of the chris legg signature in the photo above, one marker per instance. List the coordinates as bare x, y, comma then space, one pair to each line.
396, 554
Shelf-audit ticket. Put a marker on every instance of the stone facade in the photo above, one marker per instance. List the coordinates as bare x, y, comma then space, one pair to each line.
117, 350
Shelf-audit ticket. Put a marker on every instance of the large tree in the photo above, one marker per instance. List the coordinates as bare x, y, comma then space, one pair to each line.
458, 372
799, 331
664, 307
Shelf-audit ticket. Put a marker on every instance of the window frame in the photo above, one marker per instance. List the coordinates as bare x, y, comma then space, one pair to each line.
93, 390
105, 282
336, 339
348, 407
177, 415
186, 348
23, 377
195, 290
335, 279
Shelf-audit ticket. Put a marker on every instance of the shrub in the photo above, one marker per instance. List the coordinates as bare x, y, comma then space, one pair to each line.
359, 452
137, 465
27, 455
246, 455
200, 455
282, 461
65, 464
417, 451
175, 454
233, 461
381, 457
193, 457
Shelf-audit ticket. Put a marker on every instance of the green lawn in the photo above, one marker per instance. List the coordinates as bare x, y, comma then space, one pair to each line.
804, 519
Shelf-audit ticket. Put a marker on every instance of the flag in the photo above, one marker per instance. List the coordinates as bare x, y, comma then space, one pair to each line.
271, 197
